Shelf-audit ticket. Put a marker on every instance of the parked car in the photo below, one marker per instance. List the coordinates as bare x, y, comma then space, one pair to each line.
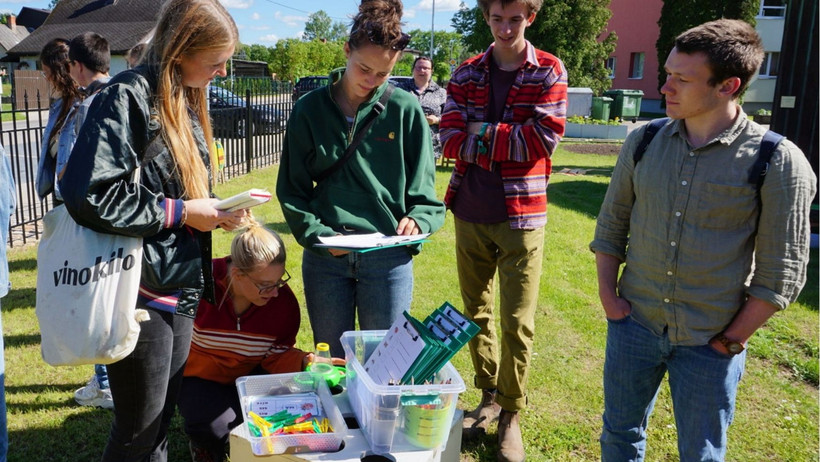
308, 83
401, 81
229, 115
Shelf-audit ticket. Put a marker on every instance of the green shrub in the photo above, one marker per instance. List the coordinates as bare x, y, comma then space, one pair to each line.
576, 119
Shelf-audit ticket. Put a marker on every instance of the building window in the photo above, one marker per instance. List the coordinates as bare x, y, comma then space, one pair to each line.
771, 61
610, 66
772, 8
636, 65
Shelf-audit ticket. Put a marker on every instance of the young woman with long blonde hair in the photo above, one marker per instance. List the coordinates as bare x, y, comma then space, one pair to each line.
155, 117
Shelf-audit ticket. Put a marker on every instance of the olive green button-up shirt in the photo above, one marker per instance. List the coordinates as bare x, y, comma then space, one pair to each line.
694, 236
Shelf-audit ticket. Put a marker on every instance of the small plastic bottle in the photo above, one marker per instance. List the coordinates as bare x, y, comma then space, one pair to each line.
322, 363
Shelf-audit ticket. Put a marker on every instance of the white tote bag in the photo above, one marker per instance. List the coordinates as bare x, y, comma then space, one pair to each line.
87, 284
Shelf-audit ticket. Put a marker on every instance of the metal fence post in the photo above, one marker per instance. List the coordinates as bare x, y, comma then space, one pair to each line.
249, 124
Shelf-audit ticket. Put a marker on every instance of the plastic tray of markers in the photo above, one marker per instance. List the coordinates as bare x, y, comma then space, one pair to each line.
291, 413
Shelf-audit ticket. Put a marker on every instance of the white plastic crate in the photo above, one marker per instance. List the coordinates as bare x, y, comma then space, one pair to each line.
266, 394
398, 418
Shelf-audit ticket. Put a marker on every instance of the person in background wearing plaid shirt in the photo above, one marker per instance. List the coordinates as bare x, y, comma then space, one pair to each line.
504, 116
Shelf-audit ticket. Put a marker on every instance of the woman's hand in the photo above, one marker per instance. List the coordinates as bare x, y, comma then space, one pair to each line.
432, 119
203, 215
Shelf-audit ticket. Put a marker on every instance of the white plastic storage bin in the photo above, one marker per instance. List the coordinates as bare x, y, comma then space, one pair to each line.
398, 418
299, 392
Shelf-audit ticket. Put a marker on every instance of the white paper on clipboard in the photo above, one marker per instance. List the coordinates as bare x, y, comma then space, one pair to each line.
395, 354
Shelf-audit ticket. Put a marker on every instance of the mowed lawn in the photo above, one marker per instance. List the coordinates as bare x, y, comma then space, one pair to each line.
777, 411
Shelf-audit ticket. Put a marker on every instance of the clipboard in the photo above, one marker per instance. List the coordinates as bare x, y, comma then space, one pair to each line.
413, 352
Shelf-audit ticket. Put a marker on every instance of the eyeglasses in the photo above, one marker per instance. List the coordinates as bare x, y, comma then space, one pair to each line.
263, 289
376, 37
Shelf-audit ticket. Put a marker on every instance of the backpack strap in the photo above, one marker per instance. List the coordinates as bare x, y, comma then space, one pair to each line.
378, 108
768, 145
652, 129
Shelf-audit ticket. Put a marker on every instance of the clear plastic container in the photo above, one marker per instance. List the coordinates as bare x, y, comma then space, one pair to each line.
301, 392
398, 418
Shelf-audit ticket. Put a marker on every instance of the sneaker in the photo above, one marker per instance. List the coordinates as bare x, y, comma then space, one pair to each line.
92, 395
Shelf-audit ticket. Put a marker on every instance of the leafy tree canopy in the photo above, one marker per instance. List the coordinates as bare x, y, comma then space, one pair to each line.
680, 15
446, 46
569, 29
319, 26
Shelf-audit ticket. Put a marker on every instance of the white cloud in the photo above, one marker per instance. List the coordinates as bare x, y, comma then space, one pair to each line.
270, 38
238, 4
290, 21
259, 28
409, 13
441, 5
255, 16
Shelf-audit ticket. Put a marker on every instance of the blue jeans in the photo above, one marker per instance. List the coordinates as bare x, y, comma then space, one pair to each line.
145, 386
4, 432
378, 285
703, 384
101, 372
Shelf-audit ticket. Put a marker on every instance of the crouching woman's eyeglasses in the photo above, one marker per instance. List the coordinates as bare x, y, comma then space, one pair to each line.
376, 36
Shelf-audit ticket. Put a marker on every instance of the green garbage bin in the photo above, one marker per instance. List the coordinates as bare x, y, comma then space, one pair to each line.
600, 107
626, 104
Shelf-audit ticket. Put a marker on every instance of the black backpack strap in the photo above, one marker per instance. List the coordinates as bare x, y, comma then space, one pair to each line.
378, 108
652, 129
768, 145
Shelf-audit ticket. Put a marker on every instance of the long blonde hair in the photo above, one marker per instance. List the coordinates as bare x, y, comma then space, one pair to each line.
186, 27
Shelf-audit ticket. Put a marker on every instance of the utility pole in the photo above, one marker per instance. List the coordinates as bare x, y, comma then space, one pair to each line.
432, 28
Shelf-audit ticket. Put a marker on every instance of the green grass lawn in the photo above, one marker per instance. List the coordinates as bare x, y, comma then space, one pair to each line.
777, 409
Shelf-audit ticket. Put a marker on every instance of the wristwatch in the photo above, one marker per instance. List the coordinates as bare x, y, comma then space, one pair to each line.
734, 348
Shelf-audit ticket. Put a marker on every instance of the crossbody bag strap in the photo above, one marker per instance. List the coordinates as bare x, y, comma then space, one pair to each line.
378, 108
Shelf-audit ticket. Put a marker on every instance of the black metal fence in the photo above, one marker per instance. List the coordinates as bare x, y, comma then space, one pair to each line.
248, 116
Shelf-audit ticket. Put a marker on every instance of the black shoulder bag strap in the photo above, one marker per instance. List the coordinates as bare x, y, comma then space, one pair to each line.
652, 128
357, 138
768, 145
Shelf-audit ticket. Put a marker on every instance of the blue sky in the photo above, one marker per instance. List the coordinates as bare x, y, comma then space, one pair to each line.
266, 21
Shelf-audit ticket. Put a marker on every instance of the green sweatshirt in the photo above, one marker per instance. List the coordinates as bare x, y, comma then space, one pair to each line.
391, 175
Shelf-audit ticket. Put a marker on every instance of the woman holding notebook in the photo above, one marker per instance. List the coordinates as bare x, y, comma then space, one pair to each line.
384, 184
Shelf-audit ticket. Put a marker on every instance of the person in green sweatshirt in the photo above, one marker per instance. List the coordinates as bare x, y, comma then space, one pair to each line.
386, 185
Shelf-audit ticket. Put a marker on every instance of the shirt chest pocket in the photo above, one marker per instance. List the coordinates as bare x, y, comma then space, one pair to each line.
722, 206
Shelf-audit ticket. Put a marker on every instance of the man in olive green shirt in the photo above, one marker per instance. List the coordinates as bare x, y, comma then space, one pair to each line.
708, 257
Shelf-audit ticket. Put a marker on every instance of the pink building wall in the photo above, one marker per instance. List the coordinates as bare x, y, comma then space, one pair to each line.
636, 24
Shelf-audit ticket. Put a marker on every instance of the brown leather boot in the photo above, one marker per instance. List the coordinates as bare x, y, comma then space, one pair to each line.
478, 420
510, 444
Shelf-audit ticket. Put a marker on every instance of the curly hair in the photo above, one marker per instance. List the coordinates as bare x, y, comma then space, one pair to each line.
533, 5
378, 22
54, 55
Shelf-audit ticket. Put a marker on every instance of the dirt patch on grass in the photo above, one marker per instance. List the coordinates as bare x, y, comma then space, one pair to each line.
604, 149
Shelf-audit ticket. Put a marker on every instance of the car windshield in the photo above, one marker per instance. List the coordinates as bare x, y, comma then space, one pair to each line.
227, 97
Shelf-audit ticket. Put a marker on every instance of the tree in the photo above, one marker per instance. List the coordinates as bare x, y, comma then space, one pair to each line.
319, 26
52, 4
569, 29
291, 59
680, 15
448, 45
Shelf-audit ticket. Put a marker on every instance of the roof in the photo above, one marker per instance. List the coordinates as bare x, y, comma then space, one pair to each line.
123, 23
32, 18
9, 38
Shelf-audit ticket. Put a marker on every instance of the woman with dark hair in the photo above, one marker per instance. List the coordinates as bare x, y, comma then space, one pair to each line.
155, 117
430, 95
386, 185
55, 62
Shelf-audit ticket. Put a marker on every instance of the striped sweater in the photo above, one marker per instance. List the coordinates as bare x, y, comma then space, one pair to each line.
225, 346
520, 150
